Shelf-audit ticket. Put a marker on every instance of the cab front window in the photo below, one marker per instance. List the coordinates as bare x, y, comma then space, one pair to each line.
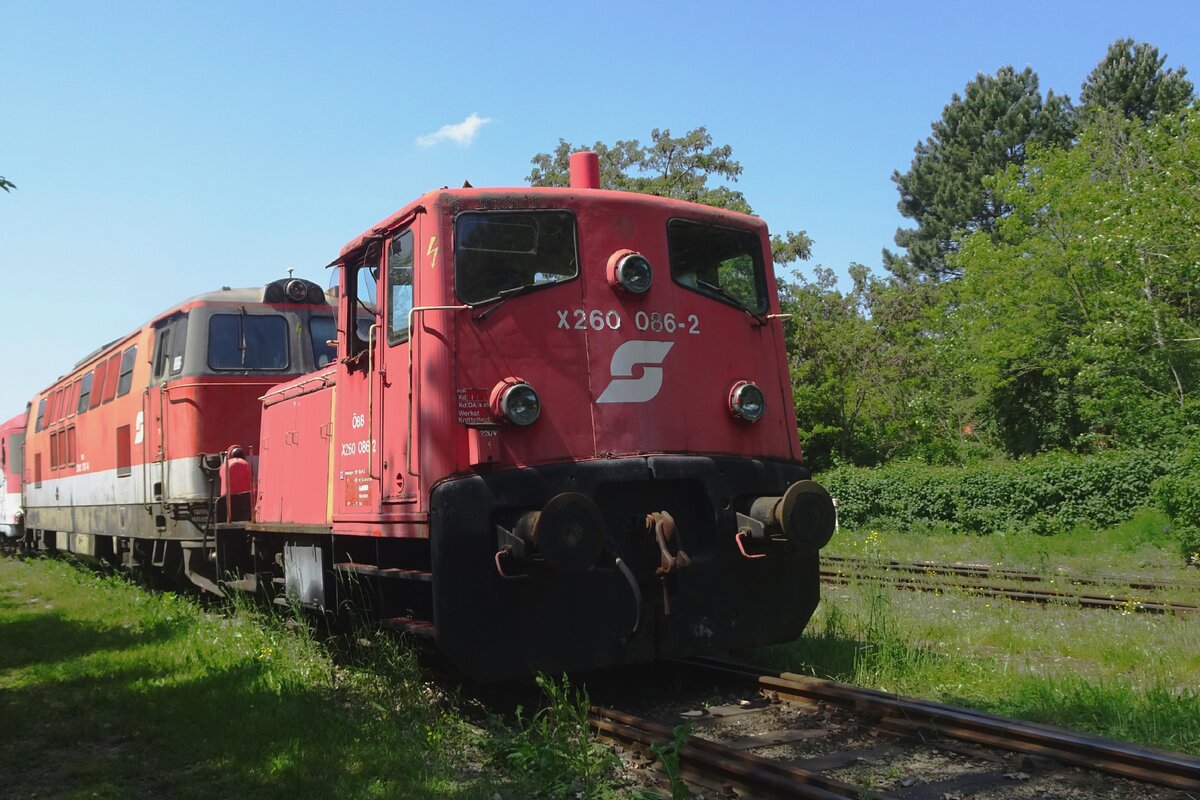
724, 263
498, 253
247, 342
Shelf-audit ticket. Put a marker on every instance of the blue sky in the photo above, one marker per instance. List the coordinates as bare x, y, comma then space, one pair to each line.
165, 149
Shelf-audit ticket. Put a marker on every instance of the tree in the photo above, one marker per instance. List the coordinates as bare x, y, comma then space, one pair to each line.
978, 135
670, 166
1084, 306
832, 348
873, 375
1131, 79
678, 167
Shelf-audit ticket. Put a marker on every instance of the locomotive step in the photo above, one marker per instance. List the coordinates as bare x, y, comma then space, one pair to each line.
417, 627
383, 572
246, 583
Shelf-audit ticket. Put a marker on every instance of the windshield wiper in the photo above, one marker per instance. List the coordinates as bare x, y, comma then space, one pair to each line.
242, 346
731, 298
504, 295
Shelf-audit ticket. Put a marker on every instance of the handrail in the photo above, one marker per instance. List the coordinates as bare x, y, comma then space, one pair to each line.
163, 403
323, 377
371, 331
145, 452
202, 384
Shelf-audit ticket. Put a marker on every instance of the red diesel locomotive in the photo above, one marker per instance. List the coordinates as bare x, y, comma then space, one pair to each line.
12, 437
557, 433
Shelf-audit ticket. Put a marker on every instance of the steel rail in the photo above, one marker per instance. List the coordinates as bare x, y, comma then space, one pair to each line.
1092, 752
1007, 573
701, 756
1097, 753
1024, 595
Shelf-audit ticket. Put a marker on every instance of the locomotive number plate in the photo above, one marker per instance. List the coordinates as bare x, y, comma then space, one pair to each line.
578, 319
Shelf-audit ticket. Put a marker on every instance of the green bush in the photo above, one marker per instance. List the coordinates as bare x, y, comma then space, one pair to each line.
1178, 494
1045, 493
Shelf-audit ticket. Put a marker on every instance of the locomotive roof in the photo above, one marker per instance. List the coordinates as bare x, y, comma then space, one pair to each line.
517, 197
16, 422
252, 295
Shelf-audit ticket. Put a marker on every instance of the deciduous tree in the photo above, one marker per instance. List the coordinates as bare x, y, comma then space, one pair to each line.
1087, 298
670, 166
873, 375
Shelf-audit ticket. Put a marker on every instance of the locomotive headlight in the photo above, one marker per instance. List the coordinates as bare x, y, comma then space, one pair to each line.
516, 402
747, 401
629, 271
297, 290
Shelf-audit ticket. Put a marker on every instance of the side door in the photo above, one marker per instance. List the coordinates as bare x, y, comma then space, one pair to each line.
170, 335
357, 417
398, 461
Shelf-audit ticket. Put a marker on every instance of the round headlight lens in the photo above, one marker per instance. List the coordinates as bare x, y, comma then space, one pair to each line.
296, 290
634, 273
747, 402
520, 404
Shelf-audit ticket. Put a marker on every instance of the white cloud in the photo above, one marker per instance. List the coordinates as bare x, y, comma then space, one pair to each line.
461, 133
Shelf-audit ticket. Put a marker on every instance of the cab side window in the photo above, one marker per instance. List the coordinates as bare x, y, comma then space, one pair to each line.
359, 282
170, 337
400, 286
162, 352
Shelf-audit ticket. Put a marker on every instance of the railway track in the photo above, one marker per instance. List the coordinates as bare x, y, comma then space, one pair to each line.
972, 579
991, 754
1006, 573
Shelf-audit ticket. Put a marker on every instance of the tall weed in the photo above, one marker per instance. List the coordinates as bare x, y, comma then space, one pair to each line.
552, 753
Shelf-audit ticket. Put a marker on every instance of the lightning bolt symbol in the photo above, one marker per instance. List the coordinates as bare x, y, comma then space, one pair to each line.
432, 251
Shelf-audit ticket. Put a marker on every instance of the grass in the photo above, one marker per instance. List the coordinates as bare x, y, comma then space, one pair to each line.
111, 691
1125, 675
1144, 546
108, 691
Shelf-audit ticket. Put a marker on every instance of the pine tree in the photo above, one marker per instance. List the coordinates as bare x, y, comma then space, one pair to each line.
1131, 79
978, 135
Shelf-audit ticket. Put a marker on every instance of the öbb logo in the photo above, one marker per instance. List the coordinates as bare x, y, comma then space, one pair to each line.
624, 387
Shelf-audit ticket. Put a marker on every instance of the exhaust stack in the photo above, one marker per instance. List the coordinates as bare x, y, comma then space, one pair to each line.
585, 170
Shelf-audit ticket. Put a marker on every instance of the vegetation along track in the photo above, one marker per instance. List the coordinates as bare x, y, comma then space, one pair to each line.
974, 579
823, 739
